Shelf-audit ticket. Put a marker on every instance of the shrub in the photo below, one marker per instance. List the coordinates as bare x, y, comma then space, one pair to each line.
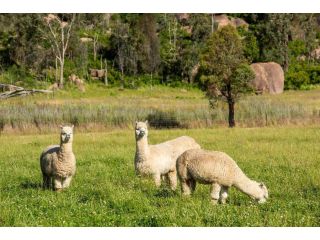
296, 79
297, 48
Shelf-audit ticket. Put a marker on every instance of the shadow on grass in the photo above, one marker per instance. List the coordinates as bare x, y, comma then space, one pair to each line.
165, 193
311, 191
30, 185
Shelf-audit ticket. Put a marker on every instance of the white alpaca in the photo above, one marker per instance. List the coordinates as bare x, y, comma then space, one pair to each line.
58, 163
159, 160
220, 171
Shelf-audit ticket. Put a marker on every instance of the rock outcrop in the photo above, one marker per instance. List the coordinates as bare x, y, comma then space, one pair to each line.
223, 20
269, 78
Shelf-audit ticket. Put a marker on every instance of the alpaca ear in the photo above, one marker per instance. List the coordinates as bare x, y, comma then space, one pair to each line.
146, 122
61, 126
72, 126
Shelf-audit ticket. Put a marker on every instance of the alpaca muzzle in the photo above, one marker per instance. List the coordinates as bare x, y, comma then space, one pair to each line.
66, 137
140, 132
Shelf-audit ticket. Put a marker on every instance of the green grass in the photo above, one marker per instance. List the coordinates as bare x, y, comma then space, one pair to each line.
106, 192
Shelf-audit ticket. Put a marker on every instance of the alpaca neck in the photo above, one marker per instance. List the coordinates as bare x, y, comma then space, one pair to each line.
248, 186
66, 148
142, 149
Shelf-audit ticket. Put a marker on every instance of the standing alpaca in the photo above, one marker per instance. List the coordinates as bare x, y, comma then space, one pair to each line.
220, 171
159, 160
58, 163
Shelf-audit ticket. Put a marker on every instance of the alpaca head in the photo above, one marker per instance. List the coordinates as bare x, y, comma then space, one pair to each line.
141, 129
66, 134
264, 193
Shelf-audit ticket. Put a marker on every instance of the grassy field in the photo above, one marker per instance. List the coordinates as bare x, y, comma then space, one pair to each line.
106, 192
102, 108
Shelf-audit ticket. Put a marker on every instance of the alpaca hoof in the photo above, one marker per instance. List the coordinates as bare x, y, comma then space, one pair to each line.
263, 200
58, 189
214, 201
186, 194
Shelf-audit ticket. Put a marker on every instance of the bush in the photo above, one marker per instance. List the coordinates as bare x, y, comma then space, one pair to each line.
314, 74
302, 76
296, 79
297, 48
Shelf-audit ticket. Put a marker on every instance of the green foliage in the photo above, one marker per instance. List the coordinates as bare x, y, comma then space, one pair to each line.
302, 75
296, 79
297, 48
314, 73
225, 72
137, 45
251, 48
223, 53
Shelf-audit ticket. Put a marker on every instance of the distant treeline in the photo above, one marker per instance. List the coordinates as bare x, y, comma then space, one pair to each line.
129, 50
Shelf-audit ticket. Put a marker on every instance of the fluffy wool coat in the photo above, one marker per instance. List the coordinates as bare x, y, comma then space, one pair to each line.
220, 171
159, 160
58, 163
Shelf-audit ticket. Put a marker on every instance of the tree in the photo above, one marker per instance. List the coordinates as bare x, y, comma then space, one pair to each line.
120, 41
150, 43
168, 44
20, 42
273, 30
225, 72
59, 35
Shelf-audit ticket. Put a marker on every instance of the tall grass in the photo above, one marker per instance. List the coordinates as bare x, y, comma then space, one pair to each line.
172, 109
248, 113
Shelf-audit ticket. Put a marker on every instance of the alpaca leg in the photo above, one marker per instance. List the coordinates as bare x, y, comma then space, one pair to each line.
67, 181
185, 188
172, 176
192, 184
215, 191
157, 179
223, 194
164, 178
46, 182
57, 184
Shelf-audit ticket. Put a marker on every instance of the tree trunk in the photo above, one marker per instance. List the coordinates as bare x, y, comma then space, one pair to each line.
231, 114
56, 76
122, 78
286, 54
105, 72
212, 23
94, 48
61, 73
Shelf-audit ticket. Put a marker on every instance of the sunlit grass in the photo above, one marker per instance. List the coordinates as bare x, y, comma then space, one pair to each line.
106, 192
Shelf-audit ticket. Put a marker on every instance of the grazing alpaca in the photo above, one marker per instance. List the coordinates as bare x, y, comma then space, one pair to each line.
58, 163
159, 160
220, 171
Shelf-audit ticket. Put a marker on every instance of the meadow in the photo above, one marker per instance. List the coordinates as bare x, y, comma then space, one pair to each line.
104, 108
106, 192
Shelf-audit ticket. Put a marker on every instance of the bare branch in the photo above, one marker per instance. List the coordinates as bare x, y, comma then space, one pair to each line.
55, 41
68, 32
15, 91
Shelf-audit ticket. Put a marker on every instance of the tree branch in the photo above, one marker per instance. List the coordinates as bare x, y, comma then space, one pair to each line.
15, 91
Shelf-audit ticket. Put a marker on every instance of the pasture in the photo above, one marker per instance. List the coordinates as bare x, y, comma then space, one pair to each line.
101, 108
106, 192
